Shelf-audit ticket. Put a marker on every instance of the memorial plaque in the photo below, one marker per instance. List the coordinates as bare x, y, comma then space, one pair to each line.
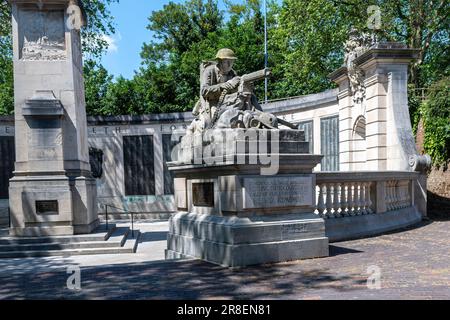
203, 194
169, 142
277, 192
139, 166
7, 158
47, 207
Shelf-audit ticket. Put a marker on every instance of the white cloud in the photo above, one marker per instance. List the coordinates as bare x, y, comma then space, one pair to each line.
112, 42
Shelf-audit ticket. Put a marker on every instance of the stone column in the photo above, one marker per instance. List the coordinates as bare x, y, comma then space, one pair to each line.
52, 191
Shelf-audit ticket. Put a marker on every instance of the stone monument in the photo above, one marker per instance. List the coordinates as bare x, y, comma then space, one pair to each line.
52, 191
244, 186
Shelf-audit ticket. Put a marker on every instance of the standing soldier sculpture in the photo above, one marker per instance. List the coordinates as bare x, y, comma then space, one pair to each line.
227, 100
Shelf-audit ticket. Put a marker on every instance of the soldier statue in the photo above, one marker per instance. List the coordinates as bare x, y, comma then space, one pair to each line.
227, 100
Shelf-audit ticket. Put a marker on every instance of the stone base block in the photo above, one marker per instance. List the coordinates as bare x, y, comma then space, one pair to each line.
52, 205
86, 228
239, 242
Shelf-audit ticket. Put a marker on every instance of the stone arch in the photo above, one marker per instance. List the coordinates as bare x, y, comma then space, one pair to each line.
359, 144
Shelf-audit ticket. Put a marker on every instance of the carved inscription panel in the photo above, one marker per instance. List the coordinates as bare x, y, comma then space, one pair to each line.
277, 192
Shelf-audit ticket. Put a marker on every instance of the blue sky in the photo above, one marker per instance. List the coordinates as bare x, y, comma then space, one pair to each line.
131, 19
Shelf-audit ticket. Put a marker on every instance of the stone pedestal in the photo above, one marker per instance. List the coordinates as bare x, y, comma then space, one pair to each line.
52, 191
233, 214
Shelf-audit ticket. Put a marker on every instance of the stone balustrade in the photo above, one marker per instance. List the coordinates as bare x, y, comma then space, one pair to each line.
348, 194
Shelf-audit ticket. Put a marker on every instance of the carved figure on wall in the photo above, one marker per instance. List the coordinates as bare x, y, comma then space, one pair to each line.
356, 45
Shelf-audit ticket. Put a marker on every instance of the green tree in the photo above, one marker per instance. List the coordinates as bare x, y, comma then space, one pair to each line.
123, 98
435, 113
96, 82
6, 77
310, 37
169, 73
6, 66
425, 25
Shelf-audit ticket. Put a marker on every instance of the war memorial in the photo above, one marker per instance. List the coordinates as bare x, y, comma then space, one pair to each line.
240, 182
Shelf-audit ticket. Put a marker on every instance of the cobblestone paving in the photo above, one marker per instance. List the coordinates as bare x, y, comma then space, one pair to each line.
414, 264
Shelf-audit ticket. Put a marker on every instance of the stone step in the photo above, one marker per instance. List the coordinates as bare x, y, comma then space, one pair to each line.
4, 222
117, 238
4, 232
101, 234
123, 241
58, 246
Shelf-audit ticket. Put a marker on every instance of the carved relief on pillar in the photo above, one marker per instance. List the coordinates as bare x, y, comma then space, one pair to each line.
43, 35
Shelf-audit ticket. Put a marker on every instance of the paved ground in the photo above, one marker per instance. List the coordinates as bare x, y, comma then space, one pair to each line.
413, 264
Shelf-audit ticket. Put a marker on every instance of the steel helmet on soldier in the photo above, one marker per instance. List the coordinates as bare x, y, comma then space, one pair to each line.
226, 54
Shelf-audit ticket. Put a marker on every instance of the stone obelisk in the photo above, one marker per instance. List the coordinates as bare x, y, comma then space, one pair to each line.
52, 191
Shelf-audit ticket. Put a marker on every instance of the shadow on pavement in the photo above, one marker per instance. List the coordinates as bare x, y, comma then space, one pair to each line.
182, 279
335, 250
150, 236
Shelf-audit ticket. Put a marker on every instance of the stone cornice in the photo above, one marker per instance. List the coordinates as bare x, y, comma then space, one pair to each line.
338, 74
393, 54
140, 119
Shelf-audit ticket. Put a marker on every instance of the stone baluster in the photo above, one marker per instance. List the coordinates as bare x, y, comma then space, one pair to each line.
401, 195
351, 199
368, 200
408, 194
320, 203
329, 201
343, 200
395, 189
362, 197
388, 195
359, 199
336, 200
405, 194
355, 199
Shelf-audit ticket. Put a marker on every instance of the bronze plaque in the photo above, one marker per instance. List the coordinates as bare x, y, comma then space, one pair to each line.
203, 194
47, 207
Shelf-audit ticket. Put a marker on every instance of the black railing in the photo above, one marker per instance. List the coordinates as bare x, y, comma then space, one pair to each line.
122, 211
9, 217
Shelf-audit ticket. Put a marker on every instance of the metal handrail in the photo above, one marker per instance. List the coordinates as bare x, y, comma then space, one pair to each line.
123, 211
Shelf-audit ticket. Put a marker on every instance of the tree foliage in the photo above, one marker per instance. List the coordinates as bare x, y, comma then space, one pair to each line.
435, 113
